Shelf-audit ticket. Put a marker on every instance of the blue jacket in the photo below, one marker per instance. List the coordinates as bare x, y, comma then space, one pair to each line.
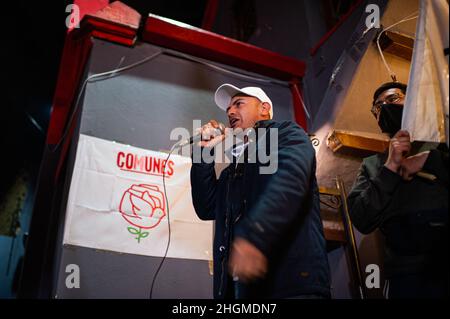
279, 213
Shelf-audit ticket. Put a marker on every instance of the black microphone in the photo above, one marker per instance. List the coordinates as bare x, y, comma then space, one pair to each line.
197, 137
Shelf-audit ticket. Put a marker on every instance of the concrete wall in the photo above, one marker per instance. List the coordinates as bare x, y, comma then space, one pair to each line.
353, 113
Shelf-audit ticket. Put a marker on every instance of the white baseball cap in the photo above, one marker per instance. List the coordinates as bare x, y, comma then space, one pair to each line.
226, 91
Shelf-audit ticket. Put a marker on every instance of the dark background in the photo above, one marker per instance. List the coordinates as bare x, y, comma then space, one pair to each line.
33, 38
33, 33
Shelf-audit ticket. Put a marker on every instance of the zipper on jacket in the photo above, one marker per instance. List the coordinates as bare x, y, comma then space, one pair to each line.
225, 233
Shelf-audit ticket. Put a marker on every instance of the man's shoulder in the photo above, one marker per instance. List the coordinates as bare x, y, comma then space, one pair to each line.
291, 135
286, 124
289, 127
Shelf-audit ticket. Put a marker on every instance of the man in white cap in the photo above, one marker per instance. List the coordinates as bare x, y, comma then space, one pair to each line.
268, 239
244, 108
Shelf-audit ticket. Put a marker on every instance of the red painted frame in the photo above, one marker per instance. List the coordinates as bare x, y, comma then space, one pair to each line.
166, 33
214, 47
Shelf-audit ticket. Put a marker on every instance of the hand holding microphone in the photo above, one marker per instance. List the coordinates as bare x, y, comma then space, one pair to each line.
210, 134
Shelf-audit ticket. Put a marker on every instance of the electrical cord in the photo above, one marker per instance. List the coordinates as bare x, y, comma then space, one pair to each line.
168, 221
83, 87
151, 57
405, 19
226, 71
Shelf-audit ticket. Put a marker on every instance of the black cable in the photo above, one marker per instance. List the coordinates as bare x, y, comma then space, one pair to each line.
168, 223
108, 74
101, 76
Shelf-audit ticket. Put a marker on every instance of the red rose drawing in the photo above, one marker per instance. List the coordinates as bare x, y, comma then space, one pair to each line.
143, 206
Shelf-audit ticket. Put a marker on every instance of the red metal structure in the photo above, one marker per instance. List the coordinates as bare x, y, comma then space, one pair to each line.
118, 23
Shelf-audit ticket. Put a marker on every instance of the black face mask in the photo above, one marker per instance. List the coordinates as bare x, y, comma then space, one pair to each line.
390, 118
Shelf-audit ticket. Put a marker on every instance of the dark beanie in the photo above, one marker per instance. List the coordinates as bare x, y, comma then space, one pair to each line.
387, 86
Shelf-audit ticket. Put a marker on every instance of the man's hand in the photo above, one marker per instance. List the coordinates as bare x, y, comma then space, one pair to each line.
412, 165
211, 134
247, 262
399, 147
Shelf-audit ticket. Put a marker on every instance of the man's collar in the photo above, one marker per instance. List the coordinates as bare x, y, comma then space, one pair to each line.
263, 123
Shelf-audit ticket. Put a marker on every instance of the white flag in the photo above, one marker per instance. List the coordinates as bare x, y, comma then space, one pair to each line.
117, 202
425, 114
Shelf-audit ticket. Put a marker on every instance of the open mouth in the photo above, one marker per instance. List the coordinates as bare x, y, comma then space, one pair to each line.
233, 122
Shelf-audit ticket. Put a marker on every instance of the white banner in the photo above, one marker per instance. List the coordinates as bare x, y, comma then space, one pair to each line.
427, 102
117, 202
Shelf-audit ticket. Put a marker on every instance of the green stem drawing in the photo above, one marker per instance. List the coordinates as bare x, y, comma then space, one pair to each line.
138, 232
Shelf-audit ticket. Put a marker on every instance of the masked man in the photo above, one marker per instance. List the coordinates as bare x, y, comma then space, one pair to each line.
404, 193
